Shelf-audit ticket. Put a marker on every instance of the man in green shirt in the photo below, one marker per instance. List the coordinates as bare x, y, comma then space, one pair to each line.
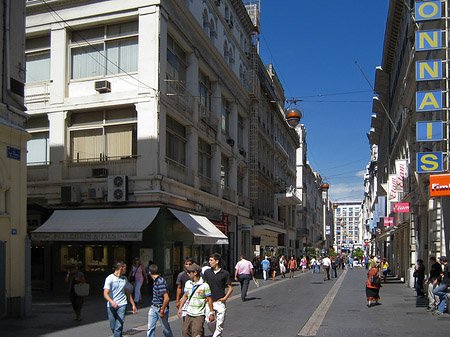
198, 295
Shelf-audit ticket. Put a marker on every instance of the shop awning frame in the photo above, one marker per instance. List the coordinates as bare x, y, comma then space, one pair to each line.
107, 224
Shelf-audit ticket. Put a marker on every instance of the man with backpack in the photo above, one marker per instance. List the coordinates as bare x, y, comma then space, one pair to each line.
373, 285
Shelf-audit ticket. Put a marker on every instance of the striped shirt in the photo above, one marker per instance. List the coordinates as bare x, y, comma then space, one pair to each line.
197, 302
159, 289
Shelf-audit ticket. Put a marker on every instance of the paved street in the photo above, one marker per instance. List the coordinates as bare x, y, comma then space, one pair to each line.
286, 307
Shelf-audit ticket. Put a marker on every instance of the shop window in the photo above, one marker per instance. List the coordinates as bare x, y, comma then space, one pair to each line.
96, 258
119, 253
71, 254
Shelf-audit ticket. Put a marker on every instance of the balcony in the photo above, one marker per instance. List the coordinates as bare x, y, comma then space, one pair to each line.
37, 92
179, 172
208, 185
290, 197
302, 232
207, 117
114, 166
179, 97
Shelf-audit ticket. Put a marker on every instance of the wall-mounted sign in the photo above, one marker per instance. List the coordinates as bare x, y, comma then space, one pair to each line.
429, 131
428, 100
428, 162
401, 172
389, 221
401, 207
392, 188
439, 185
428, 70
428, 40
13, 153
427, 10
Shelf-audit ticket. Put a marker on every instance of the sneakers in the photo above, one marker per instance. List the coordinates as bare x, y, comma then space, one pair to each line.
430, 309
437, 313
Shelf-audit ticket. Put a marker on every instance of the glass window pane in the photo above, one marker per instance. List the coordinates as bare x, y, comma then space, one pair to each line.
96, 258
35, 43
122, 29
38, 149
119, 141
38, 67
88, 61
86, 144
88, 34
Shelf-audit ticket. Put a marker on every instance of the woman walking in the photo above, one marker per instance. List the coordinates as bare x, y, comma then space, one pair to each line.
74, 276
136, 277
283, 266
373, 285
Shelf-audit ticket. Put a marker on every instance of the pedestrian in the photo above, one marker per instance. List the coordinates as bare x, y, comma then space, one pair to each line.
350, 262
326, 263
303, 263
150, 280
116, 293
318, 264
283, 266
366, 262
420, 274
198, 294
333, 267
338, 261
432, 282
182, 278
385, 268
292, 265
273, 266
218, 279
373, 285
205, 266
244, 273
442, 289
136, 278
265, 265
313, 265
257, 264
159, 310
74, 276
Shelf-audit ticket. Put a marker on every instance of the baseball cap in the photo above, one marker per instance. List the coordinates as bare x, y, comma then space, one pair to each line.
193, 267
443, 258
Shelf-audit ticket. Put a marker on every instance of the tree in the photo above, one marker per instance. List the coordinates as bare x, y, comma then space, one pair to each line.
358, 252
311, 252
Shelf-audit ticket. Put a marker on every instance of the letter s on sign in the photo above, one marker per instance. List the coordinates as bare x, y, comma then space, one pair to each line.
431, 160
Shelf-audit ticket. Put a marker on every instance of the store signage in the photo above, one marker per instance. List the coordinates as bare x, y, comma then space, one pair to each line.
86, 236
430, 131
389, 221
392, 192
401, 174
428, 100
427, 10
439, 185
401, 207
428, 162
428, 70
428, 40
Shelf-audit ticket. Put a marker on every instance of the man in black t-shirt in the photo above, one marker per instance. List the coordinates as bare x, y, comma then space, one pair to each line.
182, 278
442, 289
218, 279
432, 282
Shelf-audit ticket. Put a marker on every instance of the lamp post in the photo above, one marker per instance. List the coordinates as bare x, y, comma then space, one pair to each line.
335, 206
324, 188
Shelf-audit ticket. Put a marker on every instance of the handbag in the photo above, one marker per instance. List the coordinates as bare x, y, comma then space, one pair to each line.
133, 276
81, 289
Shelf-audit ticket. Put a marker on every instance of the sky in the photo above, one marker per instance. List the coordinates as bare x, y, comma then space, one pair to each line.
313, 45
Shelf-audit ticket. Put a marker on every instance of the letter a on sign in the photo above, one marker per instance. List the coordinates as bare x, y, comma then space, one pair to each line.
428, 101
428, 10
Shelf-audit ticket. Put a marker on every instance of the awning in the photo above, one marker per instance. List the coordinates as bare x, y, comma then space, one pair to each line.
117, 224
205, 232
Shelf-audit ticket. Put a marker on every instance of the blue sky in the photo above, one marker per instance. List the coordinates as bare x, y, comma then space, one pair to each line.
313, 46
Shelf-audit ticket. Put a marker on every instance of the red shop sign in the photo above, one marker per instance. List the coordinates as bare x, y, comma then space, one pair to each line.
401, 207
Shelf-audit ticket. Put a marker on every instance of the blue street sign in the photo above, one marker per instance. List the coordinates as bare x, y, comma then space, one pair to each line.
13, 153
429, 131
429, 162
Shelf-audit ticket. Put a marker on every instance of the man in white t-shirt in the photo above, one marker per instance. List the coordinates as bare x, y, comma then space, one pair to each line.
115, 291
326, 264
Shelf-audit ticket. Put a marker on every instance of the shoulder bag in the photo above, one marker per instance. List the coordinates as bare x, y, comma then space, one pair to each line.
81, 289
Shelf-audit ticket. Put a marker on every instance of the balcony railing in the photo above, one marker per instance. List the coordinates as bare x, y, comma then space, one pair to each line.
179, 172
208, 185
114, 166
37, 92
228, 194
207, 117
179, 96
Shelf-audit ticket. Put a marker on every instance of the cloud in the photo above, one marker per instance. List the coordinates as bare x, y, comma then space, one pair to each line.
347, 192
361, 173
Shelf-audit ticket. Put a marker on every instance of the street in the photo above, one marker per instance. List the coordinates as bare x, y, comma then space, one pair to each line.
303, 306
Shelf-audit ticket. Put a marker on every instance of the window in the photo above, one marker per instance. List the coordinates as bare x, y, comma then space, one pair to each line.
38, 146
103, 135
37, 58
176, 141
204, 158
176, 61
105, 50
224, 173
205, 92
225, 116
96, 258
240, 135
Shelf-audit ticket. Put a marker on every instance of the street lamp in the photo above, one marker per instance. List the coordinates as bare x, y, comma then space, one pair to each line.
293, 116
324, 188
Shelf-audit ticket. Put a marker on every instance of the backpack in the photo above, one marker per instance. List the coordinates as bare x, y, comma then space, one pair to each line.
375, 280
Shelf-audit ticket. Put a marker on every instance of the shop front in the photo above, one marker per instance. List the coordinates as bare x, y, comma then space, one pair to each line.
94, 238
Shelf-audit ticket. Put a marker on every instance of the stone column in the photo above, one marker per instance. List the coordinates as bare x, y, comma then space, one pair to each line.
57, 139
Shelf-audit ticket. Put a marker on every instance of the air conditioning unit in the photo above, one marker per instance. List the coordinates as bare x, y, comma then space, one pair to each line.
70, 194
117, 188
102, 86
95, 193
99, 172
230, 141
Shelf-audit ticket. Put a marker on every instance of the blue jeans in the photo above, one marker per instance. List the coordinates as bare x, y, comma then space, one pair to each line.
244, 280
116, 319
441, 291
153, 317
